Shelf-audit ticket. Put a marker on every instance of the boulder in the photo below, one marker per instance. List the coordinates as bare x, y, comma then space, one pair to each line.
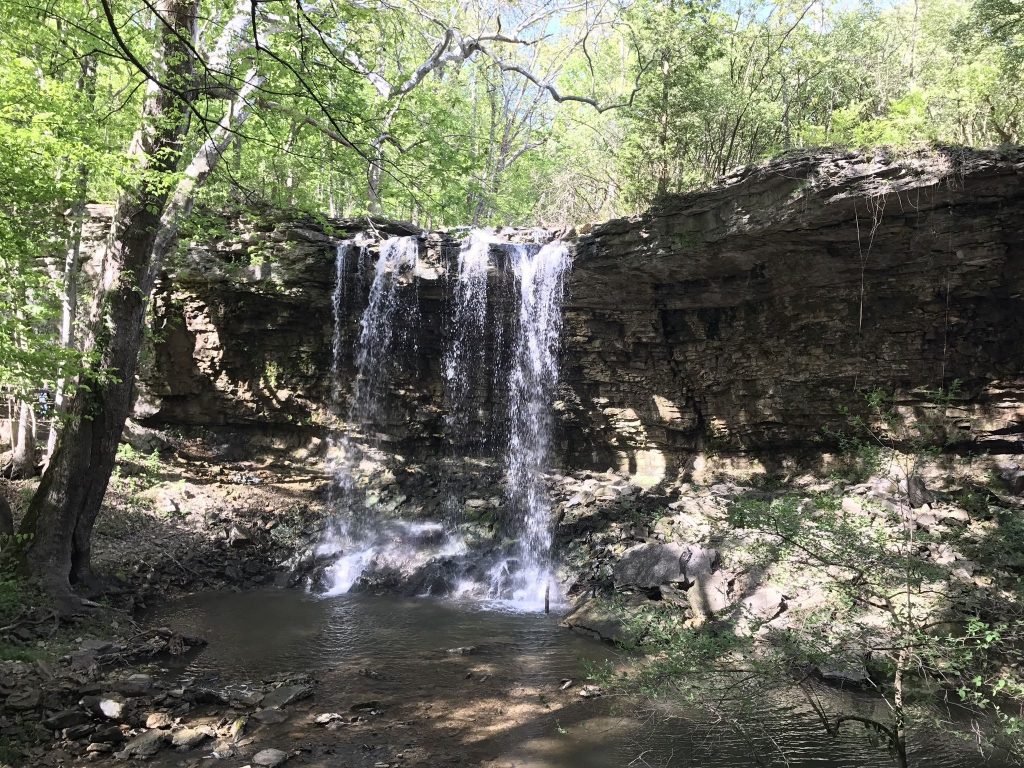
650, 565
285, 695
844, 671
269, 758
145, 745
1013, 476
709, 595
917, 493
765, 603
239, 535
110, 705
107, 734
595, 619
159, 720
699, 562
190, 738
270, 716
65, 719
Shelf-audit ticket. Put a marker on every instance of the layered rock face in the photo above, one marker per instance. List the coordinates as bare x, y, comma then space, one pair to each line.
741, 320
745, 318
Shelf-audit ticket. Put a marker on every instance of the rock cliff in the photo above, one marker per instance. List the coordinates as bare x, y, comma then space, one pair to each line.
739, 320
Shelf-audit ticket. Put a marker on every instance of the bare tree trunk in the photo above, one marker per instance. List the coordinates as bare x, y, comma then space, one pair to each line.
144, 230
69, 294
375, 168
23, 464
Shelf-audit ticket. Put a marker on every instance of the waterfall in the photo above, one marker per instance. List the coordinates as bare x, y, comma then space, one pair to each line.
464, 358
525, 376
464, 355
386, 323
384, 327
534, 374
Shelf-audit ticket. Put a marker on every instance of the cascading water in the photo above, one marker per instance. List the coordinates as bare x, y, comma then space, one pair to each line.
465, 351
386, 322
526, 384
528, 576
464, 358
383, 326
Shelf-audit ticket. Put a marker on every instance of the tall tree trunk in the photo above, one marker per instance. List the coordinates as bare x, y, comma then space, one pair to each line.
144, 230
69, 293
61, 514
375, 167
23, 464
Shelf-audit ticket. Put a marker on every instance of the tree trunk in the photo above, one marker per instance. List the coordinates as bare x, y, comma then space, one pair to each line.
69, 294
23, 463
6, 519
144, 230
62, 512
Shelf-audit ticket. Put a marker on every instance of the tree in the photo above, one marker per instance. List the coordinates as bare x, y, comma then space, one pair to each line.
148, 214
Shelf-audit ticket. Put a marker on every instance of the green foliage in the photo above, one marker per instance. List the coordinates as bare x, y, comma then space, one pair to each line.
137, 471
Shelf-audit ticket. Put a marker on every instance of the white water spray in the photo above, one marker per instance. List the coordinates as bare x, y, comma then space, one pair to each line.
528, 576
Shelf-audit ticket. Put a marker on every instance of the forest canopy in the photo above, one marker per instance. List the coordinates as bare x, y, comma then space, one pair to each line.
450, 114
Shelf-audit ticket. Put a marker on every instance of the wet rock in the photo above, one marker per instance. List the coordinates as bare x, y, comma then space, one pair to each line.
204, 695
285, 695
650, 565
190, 738
463, 650
580, 498
76, 732
145, 745
269, 716
596, 619
246, 698
269, 758
133, 685
111, 705
327, 717
107, 734
65, 719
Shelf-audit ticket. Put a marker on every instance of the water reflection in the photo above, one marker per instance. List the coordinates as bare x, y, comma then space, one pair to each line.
261, 634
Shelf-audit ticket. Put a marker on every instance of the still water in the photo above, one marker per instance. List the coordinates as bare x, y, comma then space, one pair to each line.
269, 633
